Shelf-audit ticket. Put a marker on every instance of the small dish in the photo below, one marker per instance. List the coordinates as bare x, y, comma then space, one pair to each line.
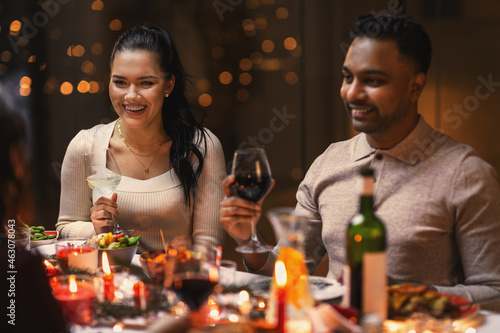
37, 243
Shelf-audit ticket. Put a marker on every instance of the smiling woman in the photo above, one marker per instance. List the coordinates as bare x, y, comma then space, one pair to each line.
171, 167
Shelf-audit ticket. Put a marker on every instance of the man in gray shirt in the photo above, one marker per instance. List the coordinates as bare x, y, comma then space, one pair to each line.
439, 200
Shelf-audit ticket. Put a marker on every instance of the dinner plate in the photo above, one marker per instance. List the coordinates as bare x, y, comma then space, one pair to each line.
468, 315
46, 250
35, 244
322, 289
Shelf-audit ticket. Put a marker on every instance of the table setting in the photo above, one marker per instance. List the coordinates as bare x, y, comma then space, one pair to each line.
184, 289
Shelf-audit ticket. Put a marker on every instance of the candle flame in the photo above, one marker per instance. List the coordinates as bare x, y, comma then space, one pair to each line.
105, 263
213, 274
72, 284
244, 296
48, 264
280, 272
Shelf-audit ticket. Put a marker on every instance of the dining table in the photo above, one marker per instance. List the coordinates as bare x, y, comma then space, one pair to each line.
483, 321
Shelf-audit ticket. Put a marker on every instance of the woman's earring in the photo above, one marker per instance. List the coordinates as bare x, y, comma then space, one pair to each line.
166, 95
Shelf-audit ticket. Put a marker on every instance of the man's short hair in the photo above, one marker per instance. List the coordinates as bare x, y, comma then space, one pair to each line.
411, 38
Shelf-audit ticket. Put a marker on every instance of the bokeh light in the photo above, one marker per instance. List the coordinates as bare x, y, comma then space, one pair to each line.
291, 78
83, 87
66, 88
94, 87
3, 69
246, 64
115, 25
225, 77
248, 27
297, 173
245, 79
205, 100
267, 46
282, 13
5, 56
261, 23
96, 49
88, 67
97, 5
15, 27
32, 58
25, 82
256, 57
290, 43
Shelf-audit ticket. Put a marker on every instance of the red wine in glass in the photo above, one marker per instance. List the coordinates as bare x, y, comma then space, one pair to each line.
251, 186
252, 181
194, 291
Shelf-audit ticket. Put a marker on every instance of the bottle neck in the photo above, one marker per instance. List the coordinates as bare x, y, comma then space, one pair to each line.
366, 199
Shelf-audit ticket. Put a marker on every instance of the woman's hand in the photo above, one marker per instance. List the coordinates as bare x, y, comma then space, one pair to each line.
236, 213
102, 213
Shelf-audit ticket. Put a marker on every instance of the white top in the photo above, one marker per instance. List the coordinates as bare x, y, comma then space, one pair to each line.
145, 206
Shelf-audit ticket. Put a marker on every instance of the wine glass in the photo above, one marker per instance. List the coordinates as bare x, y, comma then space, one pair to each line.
103, 176
194, 277
252, 181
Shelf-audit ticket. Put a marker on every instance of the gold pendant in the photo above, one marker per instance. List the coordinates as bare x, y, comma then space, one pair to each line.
146, 170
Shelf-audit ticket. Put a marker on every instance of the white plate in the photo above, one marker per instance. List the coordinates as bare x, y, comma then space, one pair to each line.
46, 250
322, 289
35, 244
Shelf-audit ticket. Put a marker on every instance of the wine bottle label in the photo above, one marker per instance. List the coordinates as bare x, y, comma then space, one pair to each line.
375, 283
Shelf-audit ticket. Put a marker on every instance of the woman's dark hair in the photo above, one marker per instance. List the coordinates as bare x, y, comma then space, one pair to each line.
411, 38
178, 119
13, 134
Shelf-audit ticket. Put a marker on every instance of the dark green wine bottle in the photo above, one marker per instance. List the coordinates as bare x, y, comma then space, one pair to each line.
365, 273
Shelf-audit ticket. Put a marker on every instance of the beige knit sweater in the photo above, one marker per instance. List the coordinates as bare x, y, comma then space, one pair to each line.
145, 206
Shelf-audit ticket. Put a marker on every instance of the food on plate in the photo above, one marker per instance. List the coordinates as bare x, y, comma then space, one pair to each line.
406, 299
38, 233
109, 241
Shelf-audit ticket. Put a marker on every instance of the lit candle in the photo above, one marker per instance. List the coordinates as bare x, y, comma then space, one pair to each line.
50, 270
280, 275
140, 295
244, 304
108, 279
76, 299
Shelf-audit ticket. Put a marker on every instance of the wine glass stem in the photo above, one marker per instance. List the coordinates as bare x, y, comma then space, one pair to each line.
254, 239
116, 227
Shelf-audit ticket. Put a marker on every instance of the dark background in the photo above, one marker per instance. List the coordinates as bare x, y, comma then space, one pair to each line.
68, 42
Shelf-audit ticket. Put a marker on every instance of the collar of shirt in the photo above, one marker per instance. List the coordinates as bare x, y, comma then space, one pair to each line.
411, 150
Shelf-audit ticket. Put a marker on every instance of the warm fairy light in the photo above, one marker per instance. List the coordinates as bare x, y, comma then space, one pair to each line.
244, 296
115, 25
248, 25
15, 27
256, 58
246, 64
242, 95
280, 272
72, 284
205, 100
271, 64
25, 82
94, 87
245, 79
282, 13
358, 238
225, 77
297, 52
78, 51
48, 264
96, 49
5, 56
97, 5
233, 318
88, 67
262, 305
291, 78
66, 88
290, 43
105, 263
32, 58
213, 274
118, 327
83, 87
261, 23
267, 46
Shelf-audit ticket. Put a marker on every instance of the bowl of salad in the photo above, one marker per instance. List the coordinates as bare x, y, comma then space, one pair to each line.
119, 248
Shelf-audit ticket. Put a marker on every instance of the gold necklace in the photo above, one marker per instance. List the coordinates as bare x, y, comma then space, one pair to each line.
130, 143
156, 151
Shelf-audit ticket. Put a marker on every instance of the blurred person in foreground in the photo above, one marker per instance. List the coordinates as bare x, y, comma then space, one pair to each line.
439, 200
27, 302
171, 166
